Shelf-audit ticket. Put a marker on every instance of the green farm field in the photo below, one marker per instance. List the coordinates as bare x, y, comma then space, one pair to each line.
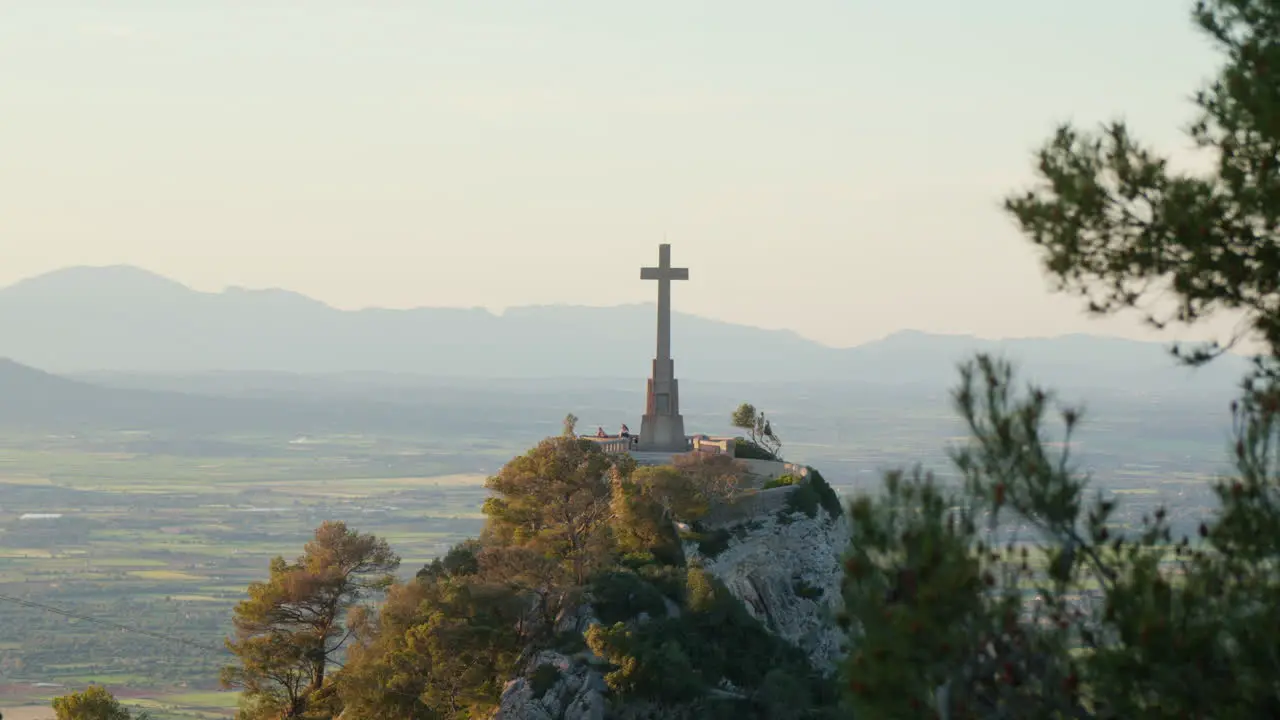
149, 538
167, 544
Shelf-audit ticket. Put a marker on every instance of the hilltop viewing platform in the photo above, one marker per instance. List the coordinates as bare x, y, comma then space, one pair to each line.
696, 443
753, 498
662, 433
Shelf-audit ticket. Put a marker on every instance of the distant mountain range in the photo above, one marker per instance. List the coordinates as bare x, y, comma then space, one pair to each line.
32, 399
126, 320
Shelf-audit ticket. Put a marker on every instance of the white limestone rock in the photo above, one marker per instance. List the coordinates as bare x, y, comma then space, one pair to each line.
787, 572
577, 694
783, 566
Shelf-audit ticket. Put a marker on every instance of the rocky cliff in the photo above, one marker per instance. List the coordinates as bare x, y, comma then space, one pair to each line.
578, 691
785, 567
776, 551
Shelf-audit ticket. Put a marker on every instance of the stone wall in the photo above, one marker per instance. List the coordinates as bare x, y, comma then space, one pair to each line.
747, 505
716, 446
762, 471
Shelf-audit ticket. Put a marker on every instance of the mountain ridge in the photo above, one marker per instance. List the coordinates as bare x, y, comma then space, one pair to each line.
121, 318
57, 280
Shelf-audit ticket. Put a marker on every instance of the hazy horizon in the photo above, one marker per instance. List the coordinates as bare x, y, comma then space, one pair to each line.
833, 169
363, 281
502, 312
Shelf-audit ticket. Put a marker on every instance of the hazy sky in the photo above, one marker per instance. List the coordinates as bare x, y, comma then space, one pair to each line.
834, 167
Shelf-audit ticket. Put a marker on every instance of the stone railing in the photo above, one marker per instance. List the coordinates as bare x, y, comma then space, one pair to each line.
714, 446
614, 444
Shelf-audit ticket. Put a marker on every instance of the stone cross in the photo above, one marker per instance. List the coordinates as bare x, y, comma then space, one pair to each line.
662, 427
664, 274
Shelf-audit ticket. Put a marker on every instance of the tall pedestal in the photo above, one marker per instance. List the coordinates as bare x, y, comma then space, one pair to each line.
662, 427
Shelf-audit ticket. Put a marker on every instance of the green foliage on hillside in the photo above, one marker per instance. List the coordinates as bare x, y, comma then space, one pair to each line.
713, 542
1089, 622
291, 629
92, 703
780, 481
827, 496
441, 647
749, 450
811, 493
1122, 625
621, 595
1115, 224
763, 441
676, 660
567, 525
554, 499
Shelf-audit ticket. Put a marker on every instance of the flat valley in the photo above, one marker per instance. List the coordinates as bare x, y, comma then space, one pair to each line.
147, 537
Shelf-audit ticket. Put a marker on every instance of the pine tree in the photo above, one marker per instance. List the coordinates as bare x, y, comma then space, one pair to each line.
291, 628
1132, 625
93, 703
554, 498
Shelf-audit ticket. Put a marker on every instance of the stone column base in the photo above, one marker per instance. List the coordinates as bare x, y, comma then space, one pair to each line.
663, 433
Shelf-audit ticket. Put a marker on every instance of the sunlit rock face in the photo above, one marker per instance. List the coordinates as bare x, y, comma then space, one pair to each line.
784, 565
576, 693
785, 568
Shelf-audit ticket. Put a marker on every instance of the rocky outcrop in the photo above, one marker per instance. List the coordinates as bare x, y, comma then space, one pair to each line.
785, 568
782, 562
554, 687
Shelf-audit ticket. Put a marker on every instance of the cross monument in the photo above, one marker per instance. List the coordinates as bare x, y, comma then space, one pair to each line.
662, 427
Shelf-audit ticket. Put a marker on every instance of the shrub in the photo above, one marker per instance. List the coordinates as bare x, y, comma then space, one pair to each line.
460, 561
675, 660
545, 677
648, 661
935, 602
621, 596
781, 481
803, 499
711, 544
666, 579
810, 494
805, 590
568, 642
93, 703
730, 642
827, 495
746, 450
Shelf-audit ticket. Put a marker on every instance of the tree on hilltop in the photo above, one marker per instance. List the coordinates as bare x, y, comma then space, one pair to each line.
460, 560
567, 524
544, 582
442, 646
93, 703
673, 492
554, 498
718, 477
744, 418
950, 619
759, 431
291, 628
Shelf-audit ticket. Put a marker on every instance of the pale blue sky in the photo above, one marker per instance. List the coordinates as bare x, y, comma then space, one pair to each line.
834, 167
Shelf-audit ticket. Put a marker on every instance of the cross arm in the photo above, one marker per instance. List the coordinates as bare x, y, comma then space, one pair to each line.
657, 273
